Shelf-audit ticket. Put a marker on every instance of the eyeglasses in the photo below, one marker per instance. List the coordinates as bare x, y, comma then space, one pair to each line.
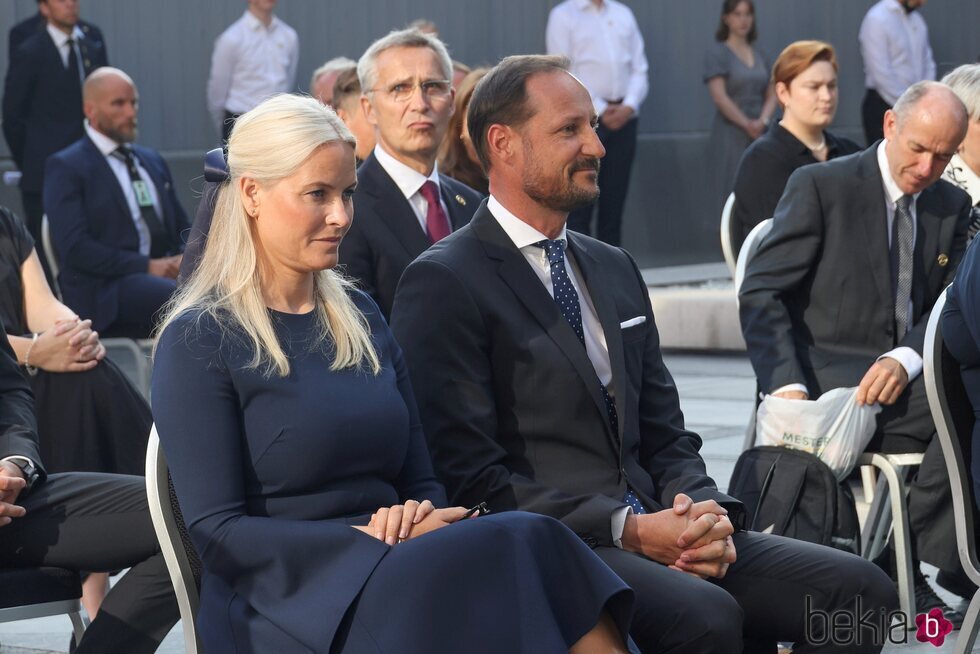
432, 89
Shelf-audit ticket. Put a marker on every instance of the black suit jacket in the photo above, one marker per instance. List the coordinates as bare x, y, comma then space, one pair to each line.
386, 235
817, 302
42, 102
510, 401
37, 24
92, 227
18, 424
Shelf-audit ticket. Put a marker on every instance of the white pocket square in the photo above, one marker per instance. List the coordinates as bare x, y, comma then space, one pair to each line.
639, 320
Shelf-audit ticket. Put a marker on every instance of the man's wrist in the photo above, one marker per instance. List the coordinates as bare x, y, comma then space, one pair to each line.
631, 533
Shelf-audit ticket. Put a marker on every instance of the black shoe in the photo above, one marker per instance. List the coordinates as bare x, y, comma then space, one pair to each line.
926, 600
957, 583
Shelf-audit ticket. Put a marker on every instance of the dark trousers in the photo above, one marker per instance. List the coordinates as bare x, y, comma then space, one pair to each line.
140, 300
762, 600
907, 426
873, 110
99, 523
614, 179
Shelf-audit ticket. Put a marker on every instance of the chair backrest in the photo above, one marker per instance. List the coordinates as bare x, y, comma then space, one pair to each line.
182, 560
727, 242
749, 248
952, 413
47, 251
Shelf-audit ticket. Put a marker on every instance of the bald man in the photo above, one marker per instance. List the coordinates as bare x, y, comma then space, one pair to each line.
117, 227
840, 291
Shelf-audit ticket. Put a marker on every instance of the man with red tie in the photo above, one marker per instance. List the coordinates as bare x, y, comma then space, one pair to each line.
402, 203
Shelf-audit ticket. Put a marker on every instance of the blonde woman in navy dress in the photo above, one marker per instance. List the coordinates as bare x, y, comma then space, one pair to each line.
285, 412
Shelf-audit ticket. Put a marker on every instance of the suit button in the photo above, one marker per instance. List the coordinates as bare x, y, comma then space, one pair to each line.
591, 542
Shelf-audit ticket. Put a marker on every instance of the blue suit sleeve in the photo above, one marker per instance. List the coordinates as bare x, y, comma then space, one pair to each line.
300, 575
64, 203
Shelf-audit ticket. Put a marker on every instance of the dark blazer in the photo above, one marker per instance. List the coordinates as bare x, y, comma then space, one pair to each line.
386, 235
817, 302
92, 227
42, 103
38, 24
18, 424
510, 401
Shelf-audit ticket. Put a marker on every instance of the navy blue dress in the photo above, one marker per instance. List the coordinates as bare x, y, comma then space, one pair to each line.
961, 333
272, 471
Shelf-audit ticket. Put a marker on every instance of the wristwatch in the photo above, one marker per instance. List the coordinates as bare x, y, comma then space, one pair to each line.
27, 467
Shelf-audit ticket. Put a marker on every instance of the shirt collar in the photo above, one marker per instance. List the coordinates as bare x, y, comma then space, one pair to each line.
105, 144
408, 180
60, 38
516, 229
585, 5
892, 192
254, 24
785, 136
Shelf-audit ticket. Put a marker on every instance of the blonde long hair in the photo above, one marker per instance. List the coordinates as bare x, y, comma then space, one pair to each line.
267, 144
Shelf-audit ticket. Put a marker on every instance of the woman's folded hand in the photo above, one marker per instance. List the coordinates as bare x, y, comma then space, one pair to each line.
395, 523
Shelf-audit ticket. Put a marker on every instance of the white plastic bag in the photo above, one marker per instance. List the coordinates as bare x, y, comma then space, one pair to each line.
833, 427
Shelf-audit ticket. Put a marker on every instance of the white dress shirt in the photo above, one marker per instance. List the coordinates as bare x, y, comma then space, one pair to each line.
909, 358
895, 49
524, 237
605, 47
107, 146
61, 43
409, 181
250, 63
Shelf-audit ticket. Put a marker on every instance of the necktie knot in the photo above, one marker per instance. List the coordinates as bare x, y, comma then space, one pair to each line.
904, 204
123, 153
555, 250
430, 191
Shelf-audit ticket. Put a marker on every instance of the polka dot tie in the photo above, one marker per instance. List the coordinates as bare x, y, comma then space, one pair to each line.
567, 300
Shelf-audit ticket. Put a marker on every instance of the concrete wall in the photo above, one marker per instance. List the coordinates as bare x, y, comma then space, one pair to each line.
166, 47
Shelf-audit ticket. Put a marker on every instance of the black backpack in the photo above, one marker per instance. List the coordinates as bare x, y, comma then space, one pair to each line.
793, 493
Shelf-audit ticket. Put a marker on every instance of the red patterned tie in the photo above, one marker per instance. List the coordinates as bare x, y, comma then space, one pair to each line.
436, 220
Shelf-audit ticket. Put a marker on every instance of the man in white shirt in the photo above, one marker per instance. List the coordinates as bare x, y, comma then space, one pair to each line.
536, 363
839, 293
602, 40
895, 47
253, 59
403, 204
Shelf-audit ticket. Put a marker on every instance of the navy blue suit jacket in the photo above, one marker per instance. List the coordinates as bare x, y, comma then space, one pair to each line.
92, 227
386, 235
42, 102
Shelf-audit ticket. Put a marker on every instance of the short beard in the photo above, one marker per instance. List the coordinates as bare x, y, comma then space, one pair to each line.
116, 135
551, 192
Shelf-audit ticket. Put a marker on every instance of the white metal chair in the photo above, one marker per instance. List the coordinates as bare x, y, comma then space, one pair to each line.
727, 242
749, 247
41, 592
182, 560
951, 411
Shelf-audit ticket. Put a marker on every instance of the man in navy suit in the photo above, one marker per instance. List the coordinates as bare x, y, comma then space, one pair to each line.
115, 220
402, 204
536, 364
42, 103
